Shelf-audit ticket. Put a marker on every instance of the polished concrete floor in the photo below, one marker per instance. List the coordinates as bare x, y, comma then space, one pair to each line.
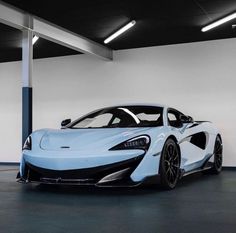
200, 203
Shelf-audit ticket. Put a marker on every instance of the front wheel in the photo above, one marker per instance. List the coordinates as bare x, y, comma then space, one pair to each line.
169, 164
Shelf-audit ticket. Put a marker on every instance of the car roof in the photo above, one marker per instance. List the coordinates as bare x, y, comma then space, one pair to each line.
138, 104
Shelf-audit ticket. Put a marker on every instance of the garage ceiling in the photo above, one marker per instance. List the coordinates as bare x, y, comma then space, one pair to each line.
159, 22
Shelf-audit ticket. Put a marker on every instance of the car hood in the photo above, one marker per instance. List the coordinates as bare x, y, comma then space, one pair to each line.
88, 139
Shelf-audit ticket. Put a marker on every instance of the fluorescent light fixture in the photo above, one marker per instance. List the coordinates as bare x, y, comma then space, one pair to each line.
219, 22
120, 31
35, 38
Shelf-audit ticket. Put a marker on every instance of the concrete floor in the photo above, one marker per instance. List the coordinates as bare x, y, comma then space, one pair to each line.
200, 203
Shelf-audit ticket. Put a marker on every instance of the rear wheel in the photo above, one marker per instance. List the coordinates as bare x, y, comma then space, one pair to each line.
169, 164
218, 156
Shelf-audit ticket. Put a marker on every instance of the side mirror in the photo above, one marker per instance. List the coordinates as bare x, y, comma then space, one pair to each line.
65, 122
186, 119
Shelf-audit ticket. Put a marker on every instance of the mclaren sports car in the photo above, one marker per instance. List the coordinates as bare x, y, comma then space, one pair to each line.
122, 146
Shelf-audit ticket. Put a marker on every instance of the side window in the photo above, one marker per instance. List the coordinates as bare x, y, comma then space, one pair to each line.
115, 121
174, 118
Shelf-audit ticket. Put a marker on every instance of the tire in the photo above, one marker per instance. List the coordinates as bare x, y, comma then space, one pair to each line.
169, 164
218, 156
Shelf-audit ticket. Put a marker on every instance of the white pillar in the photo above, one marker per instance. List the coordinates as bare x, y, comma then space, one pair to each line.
27, 63
27, 58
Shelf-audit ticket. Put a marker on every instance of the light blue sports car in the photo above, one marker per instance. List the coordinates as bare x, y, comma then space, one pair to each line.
122, 146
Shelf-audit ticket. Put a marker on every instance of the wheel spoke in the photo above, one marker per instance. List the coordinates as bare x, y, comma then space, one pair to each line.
167, 163
218, 147
174, 172
218, 154
171, 163
167, 156
175, 152
219, 159
176, 157
170, 150
171, 176
168, 170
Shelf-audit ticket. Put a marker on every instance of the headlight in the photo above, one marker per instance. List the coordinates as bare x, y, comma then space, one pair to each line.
140, 142
27, 144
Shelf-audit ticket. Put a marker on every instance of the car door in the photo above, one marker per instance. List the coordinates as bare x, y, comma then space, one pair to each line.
192, 156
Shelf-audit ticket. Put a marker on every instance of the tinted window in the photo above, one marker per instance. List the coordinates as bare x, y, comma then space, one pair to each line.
123, 116
174, 118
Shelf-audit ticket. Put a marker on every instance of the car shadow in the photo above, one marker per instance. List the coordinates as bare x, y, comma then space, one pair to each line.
91, 190
190, 180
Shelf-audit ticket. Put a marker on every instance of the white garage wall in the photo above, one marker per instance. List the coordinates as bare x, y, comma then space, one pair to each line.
197, 78
10, 111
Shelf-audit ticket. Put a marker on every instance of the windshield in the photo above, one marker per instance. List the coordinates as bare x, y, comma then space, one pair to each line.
121, 117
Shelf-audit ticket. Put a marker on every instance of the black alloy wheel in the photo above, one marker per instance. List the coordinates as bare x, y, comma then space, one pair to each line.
170, 164
218, 156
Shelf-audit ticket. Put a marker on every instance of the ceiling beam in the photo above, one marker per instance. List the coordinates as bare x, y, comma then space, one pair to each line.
16, 18
71, 40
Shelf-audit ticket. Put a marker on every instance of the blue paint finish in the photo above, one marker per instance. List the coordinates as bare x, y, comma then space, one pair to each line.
69, 149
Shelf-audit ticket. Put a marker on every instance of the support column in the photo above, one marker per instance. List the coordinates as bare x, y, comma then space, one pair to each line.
27, 62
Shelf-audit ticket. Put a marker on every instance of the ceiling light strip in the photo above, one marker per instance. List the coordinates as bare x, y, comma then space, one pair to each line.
219, 22
35, 38
120, 31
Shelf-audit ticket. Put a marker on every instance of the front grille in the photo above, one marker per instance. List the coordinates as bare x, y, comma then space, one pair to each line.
83, 176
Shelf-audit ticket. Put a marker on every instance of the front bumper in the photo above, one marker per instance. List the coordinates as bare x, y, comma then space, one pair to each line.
115, 174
